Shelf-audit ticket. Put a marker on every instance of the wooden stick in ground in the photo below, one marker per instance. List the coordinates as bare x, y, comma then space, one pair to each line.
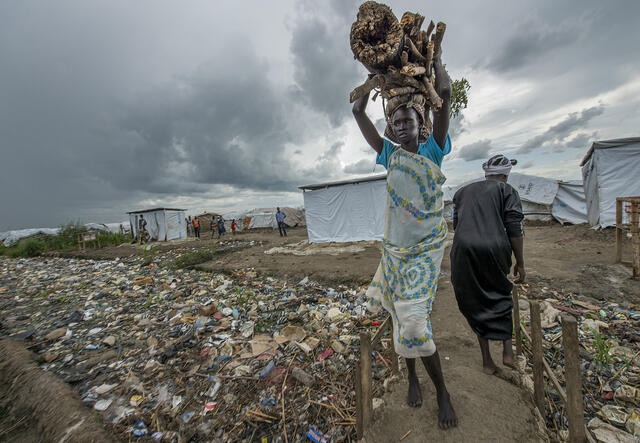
284, 417
575, 408
516, 320
635, 238
365, 377
538, 356
619, 231
359, 408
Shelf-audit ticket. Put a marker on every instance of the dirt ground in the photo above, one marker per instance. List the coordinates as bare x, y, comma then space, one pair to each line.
568, 259
564, 258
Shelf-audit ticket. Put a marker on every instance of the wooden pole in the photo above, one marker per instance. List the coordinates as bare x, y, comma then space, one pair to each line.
575, 407
538, 356
395, 366
359, 424
516, 320
618, 230
365, 377
635, 237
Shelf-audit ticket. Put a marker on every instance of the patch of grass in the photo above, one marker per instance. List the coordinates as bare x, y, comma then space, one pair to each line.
66, 239
601, 348
147, 256
193, 258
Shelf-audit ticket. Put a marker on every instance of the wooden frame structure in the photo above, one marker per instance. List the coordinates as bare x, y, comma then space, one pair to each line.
572, 398
621, 228
88, 237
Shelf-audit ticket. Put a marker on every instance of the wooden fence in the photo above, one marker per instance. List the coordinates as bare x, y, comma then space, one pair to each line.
572, 398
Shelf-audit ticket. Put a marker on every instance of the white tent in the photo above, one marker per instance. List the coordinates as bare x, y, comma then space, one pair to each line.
351, 210
610, 169
266, 217
162, 223
570, 206
536, 193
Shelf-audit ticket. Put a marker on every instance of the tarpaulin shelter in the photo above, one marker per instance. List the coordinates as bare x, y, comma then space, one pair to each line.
542, 198
266, 217
610, 169
343, 211
162, 223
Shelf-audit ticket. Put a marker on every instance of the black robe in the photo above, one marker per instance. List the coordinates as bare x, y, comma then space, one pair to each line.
485, 215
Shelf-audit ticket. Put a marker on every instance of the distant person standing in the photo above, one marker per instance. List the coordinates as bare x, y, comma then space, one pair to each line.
142, 229
212, 225
196, 226
234, 226
280, 216
189, 227
221, 229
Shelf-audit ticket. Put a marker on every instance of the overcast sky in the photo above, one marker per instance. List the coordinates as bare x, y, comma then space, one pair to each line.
112, 106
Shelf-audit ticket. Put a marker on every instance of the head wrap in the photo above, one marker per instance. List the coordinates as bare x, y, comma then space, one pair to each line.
416, 102
498, 165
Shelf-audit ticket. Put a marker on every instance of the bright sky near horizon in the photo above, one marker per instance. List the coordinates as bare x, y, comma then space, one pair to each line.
112, 106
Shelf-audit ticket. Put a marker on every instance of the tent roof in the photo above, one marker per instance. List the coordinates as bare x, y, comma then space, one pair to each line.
154, 209
344, 182
605, 144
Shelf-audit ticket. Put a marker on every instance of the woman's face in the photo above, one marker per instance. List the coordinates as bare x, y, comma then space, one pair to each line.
405, 124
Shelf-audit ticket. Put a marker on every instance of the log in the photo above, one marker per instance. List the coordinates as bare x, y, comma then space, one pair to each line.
434, 98
437, 39
413, 70
376, 37
411, 23
417, 57
429, 58
377, 81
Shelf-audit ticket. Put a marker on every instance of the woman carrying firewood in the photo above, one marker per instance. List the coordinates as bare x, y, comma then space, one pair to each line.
406, 280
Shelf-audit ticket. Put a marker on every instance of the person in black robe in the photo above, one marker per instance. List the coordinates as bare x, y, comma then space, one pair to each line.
487, 220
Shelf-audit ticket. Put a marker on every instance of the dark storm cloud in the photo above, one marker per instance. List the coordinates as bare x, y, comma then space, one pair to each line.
476, 151
324, 68
529, 44
562, 130
364, 166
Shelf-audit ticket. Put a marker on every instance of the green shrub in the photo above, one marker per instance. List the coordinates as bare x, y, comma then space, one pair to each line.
31, 247
194, 258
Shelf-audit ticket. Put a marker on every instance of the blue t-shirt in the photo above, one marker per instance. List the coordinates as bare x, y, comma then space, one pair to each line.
428, 149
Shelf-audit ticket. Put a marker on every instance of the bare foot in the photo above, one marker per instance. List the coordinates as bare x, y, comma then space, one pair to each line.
414, 397
446, 416
507, 360
489, 368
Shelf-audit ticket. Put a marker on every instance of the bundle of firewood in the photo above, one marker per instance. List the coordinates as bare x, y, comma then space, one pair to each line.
399, 56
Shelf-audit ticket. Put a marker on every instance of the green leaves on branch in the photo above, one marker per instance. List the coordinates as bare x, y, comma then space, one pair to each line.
459, 99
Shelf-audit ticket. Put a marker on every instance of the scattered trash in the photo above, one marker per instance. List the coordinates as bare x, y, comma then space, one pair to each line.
140, 344
316, 436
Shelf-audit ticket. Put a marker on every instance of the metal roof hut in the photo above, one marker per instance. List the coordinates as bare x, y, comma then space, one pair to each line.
344, 211
162, 223
610, 169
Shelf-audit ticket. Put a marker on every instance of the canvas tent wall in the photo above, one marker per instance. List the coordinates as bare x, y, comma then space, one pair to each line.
536, 193
542, 198
351, 210
610, 169
162, 223
266, 217
570, 205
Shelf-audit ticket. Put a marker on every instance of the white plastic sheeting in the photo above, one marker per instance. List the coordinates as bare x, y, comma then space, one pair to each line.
570, 205
263, 220
162, 224
9, 238
344, 213
611, 169
542, 198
